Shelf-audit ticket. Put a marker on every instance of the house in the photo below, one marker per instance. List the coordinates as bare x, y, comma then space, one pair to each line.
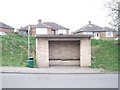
57, 29
68, 50
97, 31
6, 28
45, 28
24, 30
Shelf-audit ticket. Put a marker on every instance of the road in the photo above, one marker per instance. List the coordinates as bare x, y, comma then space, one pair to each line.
60, 80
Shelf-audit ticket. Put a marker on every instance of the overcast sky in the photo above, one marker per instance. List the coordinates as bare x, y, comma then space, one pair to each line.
72, 14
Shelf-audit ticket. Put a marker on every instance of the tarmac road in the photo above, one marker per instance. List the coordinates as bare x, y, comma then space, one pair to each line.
59, 80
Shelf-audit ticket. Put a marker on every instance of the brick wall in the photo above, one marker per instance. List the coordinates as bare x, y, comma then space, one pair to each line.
6, 30
33, 32
49, 31
103, 36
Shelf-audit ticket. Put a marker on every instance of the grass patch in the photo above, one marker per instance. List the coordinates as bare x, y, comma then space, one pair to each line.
105, 54
15, 49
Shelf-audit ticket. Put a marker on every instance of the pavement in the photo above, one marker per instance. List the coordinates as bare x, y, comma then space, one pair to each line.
53, 70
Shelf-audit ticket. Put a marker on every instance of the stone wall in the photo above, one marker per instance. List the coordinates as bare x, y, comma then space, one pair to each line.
42, 54
85, 52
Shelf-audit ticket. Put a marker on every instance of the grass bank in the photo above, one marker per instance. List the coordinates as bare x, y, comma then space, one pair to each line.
105, 54
14, 52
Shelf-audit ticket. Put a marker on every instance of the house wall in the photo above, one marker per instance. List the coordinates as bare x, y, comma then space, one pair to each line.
103, 36
41, 31
48, 31
56, 31
67, 31
64, 50
33, 32
6, 30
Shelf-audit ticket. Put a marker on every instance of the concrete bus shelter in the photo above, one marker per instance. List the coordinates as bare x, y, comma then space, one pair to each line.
63, 50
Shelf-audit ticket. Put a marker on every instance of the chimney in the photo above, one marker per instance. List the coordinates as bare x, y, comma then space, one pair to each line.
89, 22
39, 21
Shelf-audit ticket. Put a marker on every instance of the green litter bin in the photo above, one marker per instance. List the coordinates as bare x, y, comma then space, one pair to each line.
30, 62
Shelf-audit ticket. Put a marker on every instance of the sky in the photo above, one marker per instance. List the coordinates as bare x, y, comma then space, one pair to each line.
72, 14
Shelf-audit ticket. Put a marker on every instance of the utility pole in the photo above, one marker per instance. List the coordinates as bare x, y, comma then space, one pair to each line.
29, 42
30, 59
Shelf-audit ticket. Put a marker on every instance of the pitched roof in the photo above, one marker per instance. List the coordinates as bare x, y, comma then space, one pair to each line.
109, 29
51, 25
26, 27
55, 26
90, 28
41, 25
2, 25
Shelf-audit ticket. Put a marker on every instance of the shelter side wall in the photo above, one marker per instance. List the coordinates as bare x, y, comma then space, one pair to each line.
42, 55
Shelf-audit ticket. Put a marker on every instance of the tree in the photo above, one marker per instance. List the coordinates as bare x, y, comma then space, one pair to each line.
114, 13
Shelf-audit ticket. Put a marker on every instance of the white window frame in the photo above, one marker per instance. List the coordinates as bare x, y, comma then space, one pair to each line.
96, 35
109, 34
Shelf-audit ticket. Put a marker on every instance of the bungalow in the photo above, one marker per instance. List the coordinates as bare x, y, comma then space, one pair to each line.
97, 31
45, 28
6, 28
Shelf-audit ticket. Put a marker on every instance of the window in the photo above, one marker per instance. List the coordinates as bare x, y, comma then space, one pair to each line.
53, 32
87, 33
96, 34
23, 32
109, 34
41, 30
61, 31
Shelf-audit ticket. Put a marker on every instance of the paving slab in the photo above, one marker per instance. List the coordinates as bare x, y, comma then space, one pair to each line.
52, 70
